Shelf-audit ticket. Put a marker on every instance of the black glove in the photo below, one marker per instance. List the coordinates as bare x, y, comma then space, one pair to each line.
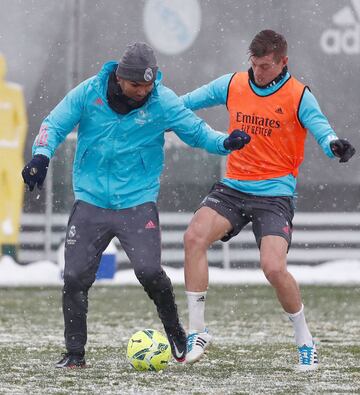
342, 149
236, 140
35, 171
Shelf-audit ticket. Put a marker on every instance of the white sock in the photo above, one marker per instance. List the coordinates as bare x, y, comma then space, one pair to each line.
196, 306
302, 333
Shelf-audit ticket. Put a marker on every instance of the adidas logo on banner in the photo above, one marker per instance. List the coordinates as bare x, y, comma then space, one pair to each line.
345, 37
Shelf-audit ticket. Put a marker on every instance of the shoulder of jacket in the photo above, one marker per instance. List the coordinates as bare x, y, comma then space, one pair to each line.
89, 85
166, 96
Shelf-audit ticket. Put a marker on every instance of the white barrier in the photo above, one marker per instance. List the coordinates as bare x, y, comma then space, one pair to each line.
317, 237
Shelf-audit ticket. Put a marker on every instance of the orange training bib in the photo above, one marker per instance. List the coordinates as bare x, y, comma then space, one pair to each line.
277, 141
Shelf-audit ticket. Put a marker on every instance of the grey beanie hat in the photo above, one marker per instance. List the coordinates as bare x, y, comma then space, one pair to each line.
138, 63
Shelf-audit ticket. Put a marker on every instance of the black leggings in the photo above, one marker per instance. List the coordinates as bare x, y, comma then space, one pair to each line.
90, 230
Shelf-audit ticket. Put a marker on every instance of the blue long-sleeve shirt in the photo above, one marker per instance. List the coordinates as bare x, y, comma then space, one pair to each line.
215, 93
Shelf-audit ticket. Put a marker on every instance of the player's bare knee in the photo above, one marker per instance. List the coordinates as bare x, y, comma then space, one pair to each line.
274, 274
193, 239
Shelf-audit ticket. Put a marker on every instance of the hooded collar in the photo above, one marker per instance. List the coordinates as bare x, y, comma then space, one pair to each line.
117, 101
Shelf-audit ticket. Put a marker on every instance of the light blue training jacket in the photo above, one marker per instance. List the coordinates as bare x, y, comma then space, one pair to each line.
215, 93
119, 158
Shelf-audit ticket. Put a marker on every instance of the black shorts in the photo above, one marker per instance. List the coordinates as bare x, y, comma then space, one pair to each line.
269, 215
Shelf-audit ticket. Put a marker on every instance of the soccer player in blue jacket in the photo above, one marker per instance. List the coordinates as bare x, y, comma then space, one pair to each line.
122, 114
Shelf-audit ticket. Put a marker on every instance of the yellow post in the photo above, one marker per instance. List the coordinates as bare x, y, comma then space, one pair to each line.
13, 129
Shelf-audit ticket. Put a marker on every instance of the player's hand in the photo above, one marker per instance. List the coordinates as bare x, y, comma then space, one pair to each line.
35, 171
342, 149
237, 140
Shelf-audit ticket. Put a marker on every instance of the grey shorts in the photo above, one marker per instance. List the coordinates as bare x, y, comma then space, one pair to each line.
269, 215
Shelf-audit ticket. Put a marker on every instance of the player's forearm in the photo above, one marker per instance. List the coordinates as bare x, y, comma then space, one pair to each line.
198, 134
48, 139
60, 122
213, 141
316, 122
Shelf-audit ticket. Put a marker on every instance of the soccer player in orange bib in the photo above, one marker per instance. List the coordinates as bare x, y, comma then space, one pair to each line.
276, 110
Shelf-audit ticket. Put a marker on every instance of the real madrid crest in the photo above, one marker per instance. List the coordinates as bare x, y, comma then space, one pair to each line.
148, 75
72, 231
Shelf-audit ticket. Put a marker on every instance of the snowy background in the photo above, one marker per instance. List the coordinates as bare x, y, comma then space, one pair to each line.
51, 46
47, 273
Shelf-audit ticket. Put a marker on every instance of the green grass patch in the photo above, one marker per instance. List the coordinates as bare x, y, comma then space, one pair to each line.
252, 352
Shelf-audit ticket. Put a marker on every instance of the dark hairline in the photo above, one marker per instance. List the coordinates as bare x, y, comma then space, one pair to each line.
264, 43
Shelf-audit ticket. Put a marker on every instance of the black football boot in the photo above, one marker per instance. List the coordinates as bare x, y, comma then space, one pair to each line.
71, 361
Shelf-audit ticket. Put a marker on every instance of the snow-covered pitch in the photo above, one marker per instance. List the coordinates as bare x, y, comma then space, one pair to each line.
253, 350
